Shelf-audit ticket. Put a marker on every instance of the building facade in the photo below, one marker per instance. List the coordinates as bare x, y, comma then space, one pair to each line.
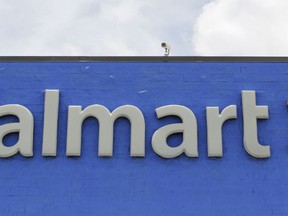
171, 97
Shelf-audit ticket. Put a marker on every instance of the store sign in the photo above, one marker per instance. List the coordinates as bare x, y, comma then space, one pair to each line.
106, 119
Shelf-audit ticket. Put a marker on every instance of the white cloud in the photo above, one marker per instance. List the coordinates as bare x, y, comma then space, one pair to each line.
94, 27
242, 27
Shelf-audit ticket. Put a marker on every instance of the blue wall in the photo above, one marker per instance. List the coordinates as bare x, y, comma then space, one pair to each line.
236, 184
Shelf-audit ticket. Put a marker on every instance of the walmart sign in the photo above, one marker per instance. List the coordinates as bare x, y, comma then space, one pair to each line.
143, 138
188, 128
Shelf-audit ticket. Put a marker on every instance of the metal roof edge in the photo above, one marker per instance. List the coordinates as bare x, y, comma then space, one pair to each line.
143, 59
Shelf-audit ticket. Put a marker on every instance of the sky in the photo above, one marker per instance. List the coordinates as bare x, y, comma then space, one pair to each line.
138, 27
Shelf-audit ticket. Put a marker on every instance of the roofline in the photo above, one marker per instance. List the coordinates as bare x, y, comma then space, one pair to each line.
143, 59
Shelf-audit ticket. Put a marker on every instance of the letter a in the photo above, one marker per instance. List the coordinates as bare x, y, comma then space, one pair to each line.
24, 127
188, 127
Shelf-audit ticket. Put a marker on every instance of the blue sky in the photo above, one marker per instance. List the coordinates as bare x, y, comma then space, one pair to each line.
137, 28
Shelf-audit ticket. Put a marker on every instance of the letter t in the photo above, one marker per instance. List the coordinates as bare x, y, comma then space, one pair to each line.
251, 113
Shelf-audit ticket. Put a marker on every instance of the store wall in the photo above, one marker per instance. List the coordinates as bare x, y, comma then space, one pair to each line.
236, 184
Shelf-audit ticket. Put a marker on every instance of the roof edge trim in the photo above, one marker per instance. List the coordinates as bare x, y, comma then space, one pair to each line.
143, 59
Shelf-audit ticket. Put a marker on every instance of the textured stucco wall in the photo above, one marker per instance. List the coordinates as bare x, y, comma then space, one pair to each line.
236, 184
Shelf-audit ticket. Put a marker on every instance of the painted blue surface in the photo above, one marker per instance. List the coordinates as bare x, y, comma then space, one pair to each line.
236, 184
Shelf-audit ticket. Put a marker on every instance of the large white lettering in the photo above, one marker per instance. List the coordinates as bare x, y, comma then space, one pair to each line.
106, 119
251, 113
214, 128
24, 127
49, 145
188, 128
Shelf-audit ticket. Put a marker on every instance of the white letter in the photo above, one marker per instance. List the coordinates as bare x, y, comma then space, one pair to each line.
106, 122
251, 113
49, 145
214, 128
24, 127
188, 127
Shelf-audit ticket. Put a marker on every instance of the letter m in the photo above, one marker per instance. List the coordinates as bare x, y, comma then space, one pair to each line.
106, 121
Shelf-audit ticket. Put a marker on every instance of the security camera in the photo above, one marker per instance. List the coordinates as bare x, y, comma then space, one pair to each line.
167, 48
164, 45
